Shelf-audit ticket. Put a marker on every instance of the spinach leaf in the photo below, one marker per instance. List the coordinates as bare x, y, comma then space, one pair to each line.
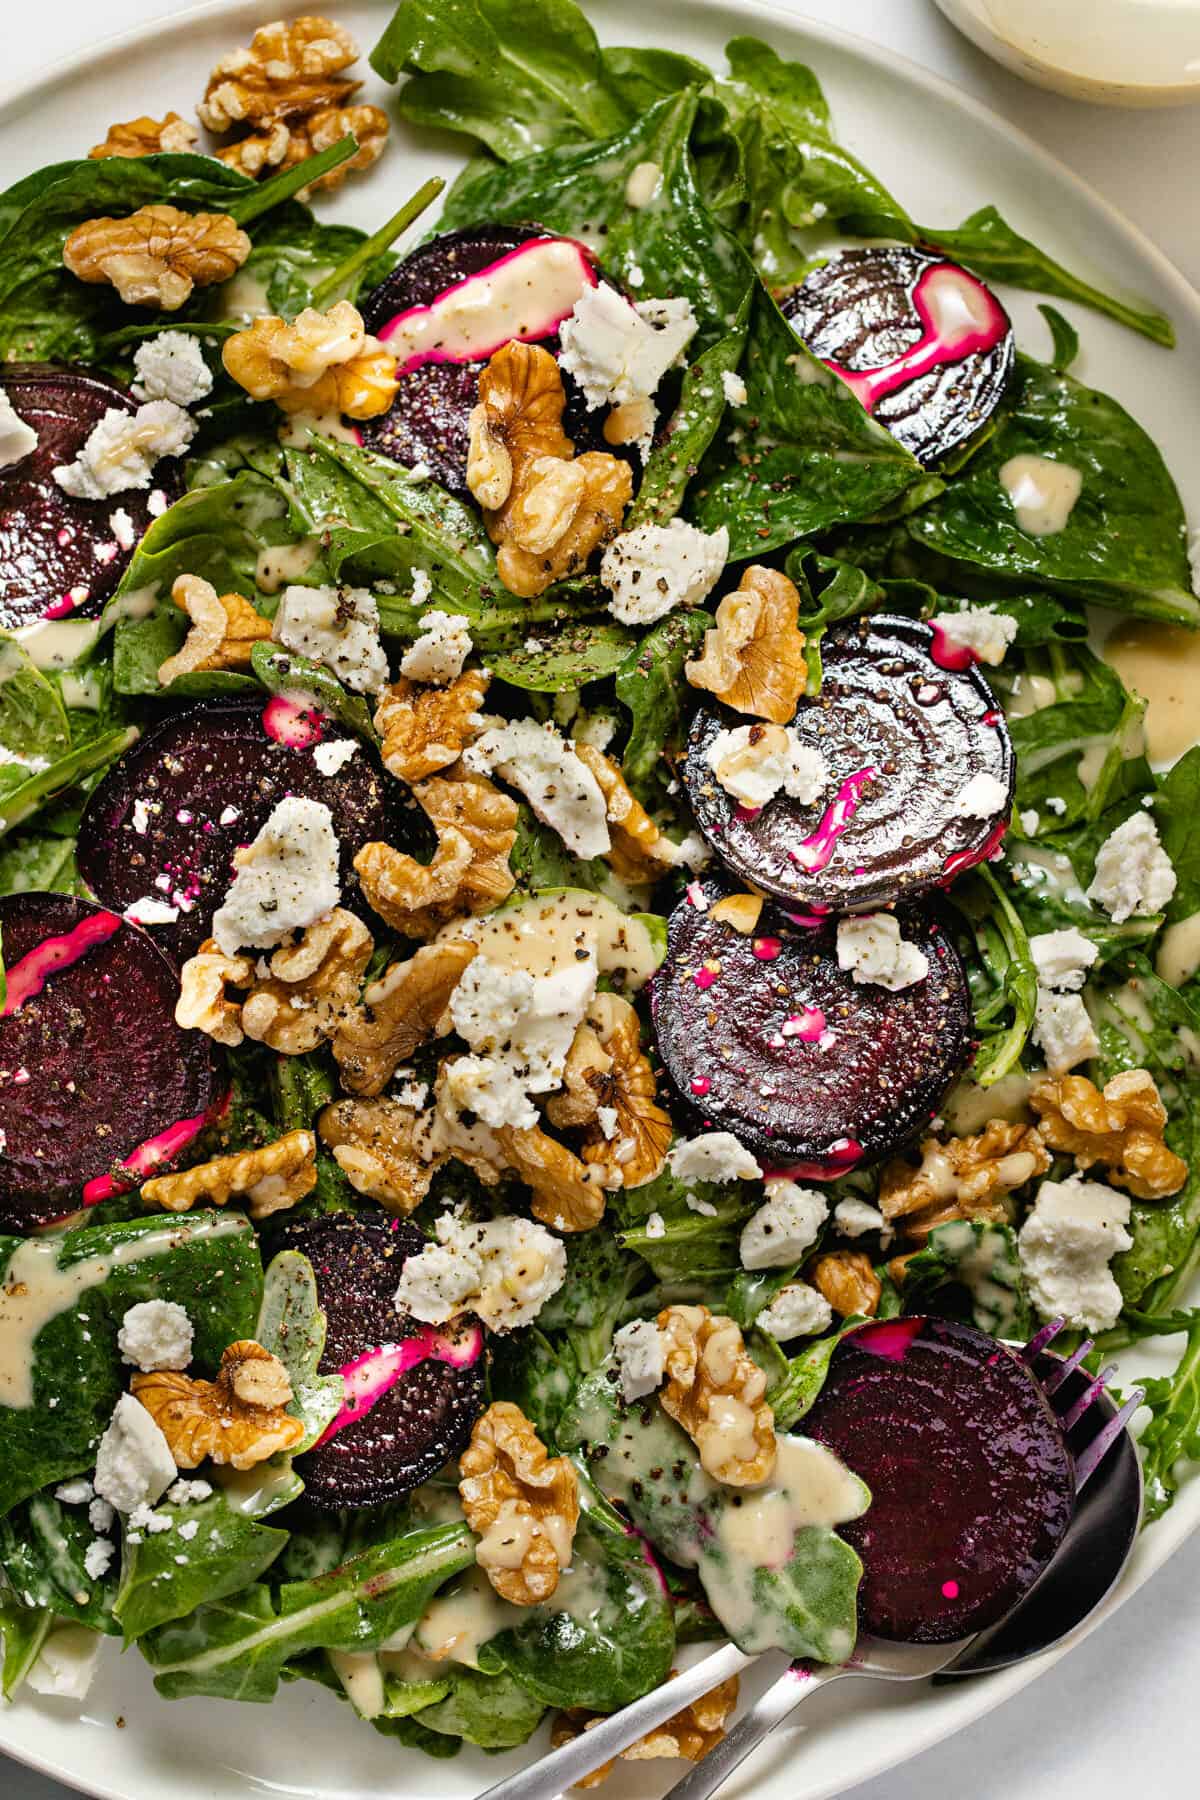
23, 1631
587, 1308
28, 796
291, 1324
283, 672
692, 1246
972, 1269
650, 684
794, 1392
1081, 750
43, 1544
495, 1711
691, 430
1177, 815
558, 659
33, 723
211, 1550
43, 859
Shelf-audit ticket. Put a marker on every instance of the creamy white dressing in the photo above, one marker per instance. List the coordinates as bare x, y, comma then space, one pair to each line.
645, 180
362, 1679
543, 936
1179, 951
1030, 694
809, 1486
255, 1492
524, 293
57, 643
293, 432
1043, 493
1092, 762
460, 1621
1162, 664
282, 563
1049, 870
968, 1107
36, 1290
243, 298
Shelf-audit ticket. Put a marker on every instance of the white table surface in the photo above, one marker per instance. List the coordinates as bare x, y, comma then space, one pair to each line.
1122, 1713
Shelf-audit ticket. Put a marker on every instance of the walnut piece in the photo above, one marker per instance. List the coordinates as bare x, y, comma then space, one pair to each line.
545, 509
405, 1008
323, 362
753, 658
606, 1069
522, 1503
145, 136
477, 828
1120, 1127
716, 1391
286, 142
963, 1178
203, 1003
312, 987
689, 1734
290, 69
639, 851
848, 1282
272, 1178
224, 629
378, 1144
239, 1418
157, 255
425, 729
567, 1194
741, 911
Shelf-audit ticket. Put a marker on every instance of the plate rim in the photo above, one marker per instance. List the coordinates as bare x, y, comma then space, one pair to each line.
17, 97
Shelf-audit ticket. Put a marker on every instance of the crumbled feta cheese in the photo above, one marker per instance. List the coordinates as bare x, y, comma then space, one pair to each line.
640, 1354
713, 1156
656, 1225
504, 1271
1065, 1247
134, 1464
171, 366
122, 528
1028, 821
189, 1529
1134, 874
334, 754
97, 1557
74, 1493
854, 1218
606, 1118
561, 789
734, 387
986, 634
619, 352
754, 762
1056, 804
143, 1518
983, 797
123, 448
286, 879
521, 1027
784, 1227
797, 1310
141, 817
1063, 1031
150, 910
184, 1493
156, 1334
654, 568
595, 729
695, 1204
1062, 958
441, 650
869, 945
338, 628
17, 438
411, 1093
101, 1516
66, 1662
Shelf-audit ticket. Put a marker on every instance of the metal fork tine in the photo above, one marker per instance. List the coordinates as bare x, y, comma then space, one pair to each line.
1038, 1343
1089, 1396
1089, 1460
1057, 1376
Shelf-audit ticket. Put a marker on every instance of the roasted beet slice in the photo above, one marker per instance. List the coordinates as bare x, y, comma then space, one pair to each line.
766, 1037
972, 1485
428, 420
165, 821
93, 1068
902, 737
53, 547
926, 347
413, 1391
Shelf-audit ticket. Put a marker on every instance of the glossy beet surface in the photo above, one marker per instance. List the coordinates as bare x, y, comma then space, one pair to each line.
972, 1485
862, 311
51, 544
901, 737
768, 1038
92, 1063
208, 778
425, 1417
428, 420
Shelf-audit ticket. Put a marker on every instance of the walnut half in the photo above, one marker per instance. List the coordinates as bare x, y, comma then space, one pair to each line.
145, 136
377, 1144
753, 658
522, 1503
157, 255
1120, 1127
239, 1418
477, 828
716, 1391
609, 1090
223, 629
399, 1012
689, 1734
271, 1178
323, 362
962, 1178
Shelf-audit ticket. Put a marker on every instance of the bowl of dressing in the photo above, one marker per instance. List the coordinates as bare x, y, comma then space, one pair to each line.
1114, 52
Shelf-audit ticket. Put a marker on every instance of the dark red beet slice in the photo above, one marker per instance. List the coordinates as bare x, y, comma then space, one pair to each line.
407, 1422
208, 778
428, 420
972, 1486
92, 1064
768, 1038
901, 737
51, 544
927, 348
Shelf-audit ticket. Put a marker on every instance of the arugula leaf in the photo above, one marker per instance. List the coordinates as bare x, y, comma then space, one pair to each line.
1177, 815
1173, 1434
291, 1324
538, 1375
793, 1394
211, 1550
587, 1308
650, 684
1005, 1017
977, 1261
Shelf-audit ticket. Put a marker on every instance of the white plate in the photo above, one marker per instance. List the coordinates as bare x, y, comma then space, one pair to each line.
944, 155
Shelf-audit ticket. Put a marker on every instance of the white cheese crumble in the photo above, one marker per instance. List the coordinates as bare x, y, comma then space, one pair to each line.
134, 1465
1029, 822
784, 1227
1062, 958
640, 1354
97, 1557
101, 1516
441, 650
869, 945
17, 438
504, 1271
286, 879
74, 1493
1134, 874
618, 352
1065, 1247
123, 528
333, 755
183, 1493
654, 568
150, 910
156, 1334
713, 1156
1063, 1031
986, 634
797, 1310
854, 1218
338, 628
755, 762
733, 387
560, 788
521, 1027
171, 366
656, 1225
66, 1662
982, 798
595, 729
122, 449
